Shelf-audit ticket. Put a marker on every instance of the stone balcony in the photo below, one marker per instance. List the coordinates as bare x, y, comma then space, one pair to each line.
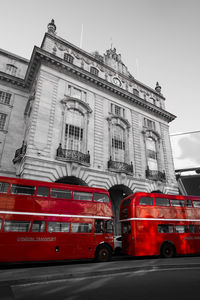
120, 167
69, 155
155, 175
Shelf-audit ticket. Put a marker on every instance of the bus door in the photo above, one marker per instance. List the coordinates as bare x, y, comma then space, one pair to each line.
103, 231
127, 239
98, 231
82, 239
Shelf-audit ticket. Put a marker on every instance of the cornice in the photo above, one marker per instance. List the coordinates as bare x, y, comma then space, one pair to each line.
82, 52
41, 56
17, 82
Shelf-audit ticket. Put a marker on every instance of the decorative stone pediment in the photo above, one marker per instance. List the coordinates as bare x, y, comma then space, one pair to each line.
77, 104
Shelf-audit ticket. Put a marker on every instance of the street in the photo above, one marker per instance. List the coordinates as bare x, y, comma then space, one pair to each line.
144, 278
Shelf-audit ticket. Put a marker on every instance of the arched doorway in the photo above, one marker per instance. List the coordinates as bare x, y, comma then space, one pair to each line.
71, 180
117, 193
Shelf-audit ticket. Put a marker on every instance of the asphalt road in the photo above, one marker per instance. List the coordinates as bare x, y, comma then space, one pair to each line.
144, 278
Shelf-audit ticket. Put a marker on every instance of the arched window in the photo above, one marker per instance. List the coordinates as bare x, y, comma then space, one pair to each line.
118, 143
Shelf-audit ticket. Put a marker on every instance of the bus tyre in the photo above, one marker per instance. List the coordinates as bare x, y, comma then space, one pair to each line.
168, 250
103, 254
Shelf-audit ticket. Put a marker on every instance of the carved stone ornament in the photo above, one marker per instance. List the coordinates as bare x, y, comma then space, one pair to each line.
61, 47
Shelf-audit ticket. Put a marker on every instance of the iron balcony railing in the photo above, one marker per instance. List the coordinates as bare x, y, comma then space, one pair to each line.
155, 175
19, 153
73, 156
121, 167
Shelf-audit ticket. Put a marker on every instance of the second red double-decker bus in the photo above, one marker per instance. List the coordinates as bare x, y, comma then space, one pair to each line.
41, 221
160, 224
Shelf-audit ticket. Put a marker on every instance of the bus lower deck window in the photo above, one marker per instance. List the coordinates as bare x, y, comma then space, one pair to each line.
181, 228
165, 228
38, 226
126, 227
16, 226
58, 227
81, 227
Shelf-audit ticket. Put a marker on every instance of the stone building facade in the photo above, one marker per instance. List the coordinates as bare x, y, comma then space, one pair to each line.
81, 118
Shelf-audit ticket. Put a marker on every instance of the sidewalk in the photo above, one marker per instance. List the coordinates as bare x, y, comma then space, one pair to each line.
14, 275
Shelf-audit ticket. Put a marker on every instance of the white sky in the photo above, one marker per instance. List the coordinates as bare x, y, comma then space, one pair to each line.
158, 40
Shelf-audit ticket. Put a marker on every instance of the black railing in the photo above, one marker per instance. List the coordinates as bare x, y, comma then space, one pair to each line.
72, 155
121, 167
19, 153
155, 175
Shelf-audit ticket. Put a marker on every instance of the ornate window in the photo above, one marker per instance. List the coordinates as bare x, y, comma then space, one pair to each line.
118, 143
69, 58
73, 142
74, 130
151, 151
153, 156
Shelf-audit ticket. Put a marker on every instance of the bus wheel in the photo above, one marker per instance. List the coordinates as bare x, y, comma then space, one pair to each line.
103, 254
167, 250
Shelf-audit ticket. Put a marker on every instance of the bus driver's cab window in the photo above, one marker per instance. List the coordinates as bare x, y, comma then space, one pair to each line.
98, 226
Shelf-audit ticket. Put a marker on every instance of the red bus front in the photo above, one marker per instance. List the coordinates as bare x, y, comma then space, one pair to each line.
154, 224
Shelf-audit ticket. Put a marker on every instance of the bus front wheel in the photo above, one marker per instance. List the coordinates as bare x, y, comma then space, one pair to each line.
167, 250
103, 254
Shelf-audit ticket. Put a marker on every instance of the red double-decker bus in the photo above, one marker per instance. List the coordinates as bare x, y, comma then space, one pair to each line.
41, 221
160, 224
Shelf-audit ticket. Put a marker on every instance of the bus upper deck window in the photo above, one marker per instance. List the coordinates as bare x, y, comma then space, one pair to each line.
146, 201
4, 187
101, 198
126, 202
63, 194
196, 203
177, 202
162, 201
42, 191
188, 203
83, 196
22, 189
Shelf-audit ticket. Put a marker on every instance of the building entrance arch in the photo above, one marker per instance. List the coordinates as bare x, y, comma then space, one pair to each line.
71, 180
117, 193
